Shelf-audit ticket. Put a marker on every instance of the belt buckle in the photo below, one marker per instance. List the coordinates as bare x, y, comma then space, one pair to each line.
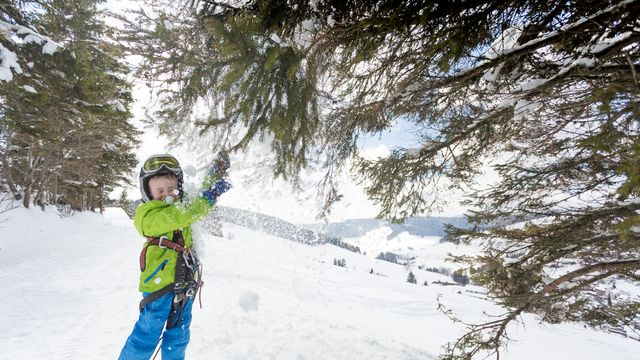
163, 237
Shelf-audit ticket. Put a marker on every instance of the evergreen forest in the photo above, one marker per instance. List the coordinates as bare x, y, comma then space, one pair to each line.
65, 97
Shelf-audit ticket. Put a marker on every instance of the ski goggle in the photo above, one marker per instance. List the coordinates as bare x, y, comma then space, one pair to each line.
154, 164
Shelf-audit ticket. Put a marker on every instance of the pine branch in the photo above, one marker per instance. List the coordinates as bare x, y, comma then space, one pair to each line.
630, 6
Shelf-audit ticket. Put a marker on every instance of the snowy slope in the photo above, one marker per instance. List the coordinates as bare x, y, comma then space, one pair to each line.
69, 286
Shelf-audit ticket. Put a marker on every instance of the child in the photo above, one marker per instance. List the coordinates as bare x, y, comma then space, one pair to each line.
170, 275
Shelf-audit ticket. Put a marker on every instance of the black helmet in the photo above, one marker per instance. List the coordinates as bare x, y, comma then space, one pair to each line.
158, 165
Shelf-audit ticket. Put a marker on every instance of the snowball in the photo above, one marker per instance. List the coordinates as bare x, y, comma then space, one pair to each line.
190, 170
249, 301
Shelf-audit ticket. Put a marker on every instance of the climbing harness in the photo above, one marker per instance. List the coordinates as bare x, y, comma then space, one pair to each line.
187, 280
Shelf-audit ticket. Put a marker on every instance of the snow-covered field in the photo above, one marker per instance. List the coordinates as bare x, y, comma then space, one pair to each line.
69, 292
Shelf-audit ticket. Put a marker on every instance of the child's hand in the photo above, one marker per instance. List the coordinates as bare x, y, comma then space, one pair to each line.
220, 187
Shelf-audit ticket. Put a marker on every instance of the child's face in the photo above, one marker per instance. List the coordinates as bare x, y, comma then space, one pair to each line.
161, 186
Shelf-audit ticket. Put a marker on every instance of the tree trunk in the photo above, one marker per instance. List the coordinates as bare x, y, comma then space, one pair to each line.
33, 164
89, 200
39, 199
27, 196
101, 200
9, 178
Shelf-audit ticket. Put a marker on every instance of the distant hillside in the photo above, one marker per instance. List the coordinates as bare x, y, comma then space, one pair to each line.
332, 233
270, 225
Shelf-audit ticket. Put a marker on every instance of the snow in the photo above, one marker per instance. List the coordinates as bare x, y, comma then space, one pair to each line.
249, 301
109, 147
117, 105
30, 89
533, 84
506, 41
628, 202
8, 61
73, 182
50, 47
607, 43
71, 286
331, 21
275, 38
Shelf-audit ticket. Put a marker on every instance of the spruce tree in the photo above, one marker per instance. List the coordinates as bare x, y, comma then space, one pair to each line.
411, 278
69, 132
18, 39
106, 139
125, 204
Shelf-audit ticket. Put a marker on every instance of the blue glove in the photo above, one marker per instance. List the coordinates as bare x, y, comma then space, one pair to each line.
220, 187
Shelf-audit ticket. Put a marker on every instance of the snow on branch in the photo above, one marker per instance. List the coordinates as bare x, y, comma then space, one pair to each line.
8, 61
20, 35
505, 47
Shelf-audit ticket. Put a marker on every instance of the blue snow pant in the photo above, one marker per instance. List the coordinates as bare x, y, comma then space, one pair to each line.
146, 333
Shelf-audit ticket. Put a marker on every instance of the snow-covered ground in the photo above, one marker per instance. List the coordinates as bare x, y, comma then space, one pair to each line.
69, 292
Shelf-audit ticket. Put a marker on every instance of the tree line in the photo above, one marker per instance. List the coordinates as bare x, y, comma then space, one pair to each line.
64, 104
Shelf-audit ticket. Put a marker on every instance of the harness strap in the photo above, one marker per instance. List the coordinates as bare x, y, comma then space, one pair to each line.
177, 308
176, 245
155, 296
164, 242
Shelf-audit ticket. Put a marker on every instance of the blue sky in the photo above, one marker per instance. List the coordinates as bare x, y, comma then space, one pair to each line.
403, 133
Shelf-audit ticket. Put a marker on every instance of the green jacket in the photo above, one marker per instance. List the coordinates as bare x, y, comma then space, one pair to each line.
156, 218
